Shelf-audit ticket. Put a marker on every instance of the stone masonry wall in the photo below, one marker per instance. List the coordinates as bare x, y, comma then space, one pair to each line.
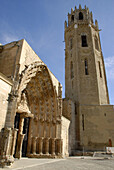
8, 57
96, 126
64, 136
69, 112
5, 88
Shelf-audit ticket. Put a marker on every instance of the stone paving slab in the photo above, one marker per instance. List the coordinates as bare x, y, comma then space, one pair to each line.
71, 163
30, 163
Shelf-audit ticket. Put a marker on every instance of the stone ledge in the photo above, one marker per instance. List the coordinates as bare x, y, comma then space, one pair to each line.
44, 156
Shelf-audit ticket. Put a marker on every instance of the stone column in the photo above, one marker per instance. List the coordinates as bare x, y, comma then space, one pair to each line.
14, 134
59, 146
46, 146
8, 133
29, 137
5, 148
19, 146
34, 145
6, 141
12, 101
21, 125
20, 139
40, 145
53, 146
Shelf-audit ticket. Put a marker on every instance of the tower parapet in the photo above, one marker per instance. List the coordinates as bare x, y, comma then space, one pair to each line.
81, 16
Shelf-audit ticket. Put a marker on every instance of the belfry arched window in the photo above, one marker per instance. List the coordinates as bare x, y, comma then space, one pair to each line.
80, 16
72, 18
71, 70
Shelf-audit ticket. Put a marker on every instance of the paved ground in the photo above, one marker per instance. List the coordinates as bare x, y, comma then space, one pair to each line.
73, 163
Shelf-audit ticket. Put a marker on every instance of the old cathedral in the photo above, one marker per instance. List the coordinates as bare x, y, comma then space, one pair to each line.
35, 121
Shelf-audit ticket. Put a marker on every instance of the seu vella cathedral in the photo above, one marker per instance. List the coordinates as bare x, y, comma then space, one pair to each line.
35, 121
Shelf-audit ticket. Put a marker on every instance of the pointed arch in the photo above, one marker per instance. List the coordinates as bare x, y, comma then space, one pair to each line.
72, 18
80, 16
37, 100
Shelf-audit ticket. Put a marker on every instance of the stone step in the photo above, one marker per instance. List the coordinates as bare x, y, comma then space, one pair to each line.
92, 153
102, 154
82, 153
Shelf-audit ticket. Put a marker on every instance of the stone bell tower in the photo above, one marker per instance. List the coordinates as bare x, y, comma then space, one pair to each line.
85, 78
86, 84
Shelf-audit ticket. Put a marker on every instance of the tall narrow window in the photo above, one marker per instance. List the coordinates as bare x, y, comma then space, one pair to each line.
72, 84
83, 122
86, 67
70, 43
100, 69
80, 16
84, 41
96, 43
75, 109
71, 69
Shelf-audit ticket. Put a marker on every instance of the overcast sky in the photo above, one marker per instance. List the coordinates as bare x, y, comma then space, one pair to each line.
41, 24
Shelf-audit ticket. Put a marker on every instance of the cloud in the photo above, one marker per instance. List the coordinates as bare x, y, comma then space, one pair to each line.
109, 64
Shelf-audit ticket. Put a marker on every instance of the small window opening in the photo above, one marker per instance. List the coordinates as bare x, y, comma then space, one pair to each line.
84, 41
72, 18
100, 69
75, 109
86, 67
96, 43
72, 84
83, 122
80, 16
71, 68
71, 43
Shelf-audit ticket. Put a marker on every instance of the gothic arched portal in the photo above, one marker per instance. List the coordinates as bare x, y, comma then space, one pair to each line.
38, 101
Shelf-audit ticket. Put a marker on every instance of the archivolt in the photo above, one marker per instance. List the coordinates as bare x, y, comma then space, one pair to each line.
39, 73
40, 95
